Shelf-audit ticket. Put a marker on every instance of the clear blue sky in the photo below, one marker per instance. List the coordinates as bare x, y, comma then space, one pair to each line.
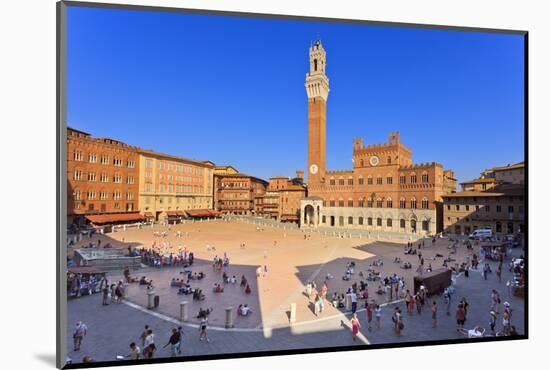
231, 90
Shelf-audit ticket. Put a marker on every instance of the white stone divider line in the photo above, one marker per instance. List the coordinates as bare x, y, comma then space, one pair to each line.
248, 330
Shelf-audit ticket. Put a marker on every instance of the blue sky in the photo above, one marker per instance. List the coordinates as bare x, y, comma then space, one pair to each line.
231, 90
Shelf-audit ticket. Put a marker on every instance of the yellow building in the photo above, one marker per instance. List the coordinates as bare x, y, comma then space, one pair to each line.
170, 185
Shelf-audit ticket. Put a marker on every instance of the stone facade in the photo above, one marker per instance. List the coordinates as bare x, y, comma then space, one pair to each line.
283, 198
240, 194
102, 176
384, 183
170, 183
501, 209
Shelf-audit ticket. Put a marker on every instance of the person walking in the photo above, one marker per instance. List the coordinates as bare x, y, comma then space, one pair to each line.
105, 301
368, 310
447, 300
434, 314
378, 315
174, 343
418, 303
149, 345
134, 352
493, 322
143, 336
499, 272
495, 301
355, 325
460, 316
79, 333
353, 298
203, 329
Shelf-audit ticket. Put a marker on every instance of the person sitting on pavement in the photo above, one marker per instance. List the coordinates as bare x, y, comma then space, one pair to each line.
244, 310
217, 288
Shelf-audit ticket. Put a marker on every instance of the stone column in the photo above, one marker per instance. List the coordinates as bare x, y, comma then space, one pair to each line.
183, 311
150, 299
293, 312
347, 302
228, 317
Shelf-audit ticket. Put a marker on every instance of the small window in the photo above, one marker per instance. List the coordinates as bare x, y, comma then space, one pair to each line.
389, 180
413, 179
341, 182
369, 180
379, 180
332, 182
350, 220
413, 203
402, 179
350, 203
360, 221
369, 221
361, 181
378, 221
340, 203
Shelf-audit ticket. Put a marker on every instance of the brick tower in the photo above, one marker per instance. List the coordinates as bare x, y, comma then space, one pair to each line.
317, 95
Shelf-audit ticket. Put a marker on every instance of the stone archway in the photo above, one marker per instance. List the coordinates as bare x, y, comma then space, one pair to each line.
310, 217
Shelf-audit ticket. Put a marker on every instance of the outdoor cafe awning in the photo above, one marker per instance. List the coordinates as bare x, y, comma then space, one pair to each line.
202, 213
115, 217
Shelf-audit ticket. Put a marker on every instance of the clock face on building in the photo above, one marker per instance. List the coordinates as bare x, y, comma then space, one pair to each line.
313, 169
374, 160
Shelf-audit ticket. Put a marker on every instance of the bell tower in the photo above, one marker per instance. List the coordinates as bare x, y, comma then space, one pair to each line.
317, 94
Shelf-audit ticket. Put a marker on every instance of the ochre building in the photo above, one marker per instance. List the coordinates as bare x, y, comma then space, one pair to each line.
172, 187
102, 178
385, 191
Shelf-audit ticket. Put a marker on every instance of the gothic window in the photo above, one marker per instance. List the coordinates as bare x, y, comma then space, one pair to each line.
402, 179
361, 181
369, 180
389, 203
379, 180
413, 178
341, 181
389, 222
350, 202
425, 203
413, 203
424, 177
378, 203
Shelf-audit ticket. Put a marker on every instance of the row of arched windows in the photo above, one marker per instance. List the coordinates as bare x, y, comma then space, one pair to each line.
378, 203
373, 221
379, 180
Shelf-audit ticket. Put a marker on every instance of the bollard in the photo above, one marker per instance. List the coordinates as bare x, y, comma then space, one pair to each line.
150, 299
347, 302
293, 312
125, 290
228, 317
183, 311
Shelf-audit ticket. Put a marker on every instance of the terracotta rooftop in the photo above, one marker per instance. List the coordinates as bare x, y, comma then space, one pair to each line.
497, 191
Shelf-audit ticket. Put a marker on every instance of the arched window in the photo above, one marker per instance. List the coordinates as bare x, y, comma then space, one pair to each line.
402, 179
369, 202
413, 178
332, 181
350, 202
389, 222
378, 221
341, 181
425, 226
402, 203
389, 180
369, 180
360, 221
361, 180
350, 220
424, 203
341, 220
332, 203
361, 202
369, 221
379, 180
378, 203
350, 180
340, 202
413, 203
402, 223
389, 203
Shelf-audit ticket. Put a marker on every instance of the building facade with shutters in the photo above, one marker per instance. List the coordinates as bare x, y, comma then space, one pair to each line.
171, 185
102, 178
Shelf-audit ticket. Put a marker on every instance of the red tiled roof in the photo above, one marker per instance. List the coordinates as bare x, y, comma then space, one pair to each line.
202, 212
115, 217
